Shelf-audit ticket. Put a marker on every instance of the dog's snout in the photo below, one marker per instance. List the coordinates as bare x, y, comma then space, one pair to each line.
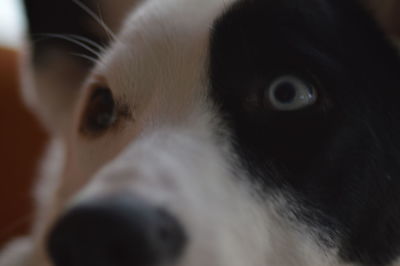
120, 232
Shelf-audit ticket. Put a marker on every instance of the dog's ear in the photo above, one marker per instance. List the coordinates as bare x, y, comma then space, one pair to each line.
65, 39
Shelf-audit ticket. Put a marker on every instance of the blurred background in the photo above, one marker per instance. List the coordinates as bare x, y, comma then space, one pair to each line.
21, 138
12, 23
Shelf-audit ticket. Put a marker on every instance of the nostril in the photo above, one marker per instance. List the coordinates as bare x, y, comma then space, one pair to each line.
169, 233
118, 231
165, 233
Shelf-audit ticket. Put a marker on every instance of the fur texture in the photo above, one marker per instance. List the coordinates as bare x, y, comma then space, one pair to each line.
252, 185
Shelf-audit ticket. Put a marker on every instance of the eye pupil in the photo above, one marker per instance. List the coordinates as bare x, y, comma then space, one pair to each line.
290, 93
103, 120
100, 113
285, 92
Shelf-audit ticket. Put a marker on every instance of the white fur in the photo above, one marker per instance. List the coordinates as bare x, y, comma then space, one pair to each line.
168, 154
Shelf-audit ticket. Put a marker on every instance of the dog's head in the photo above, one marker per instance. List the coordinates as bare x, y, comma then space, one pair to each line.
221, 132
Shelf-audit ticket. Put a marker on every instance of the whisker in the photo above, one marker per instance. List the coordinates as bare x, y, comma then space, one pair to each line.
100, 16
96, 18
87, 57
88, 41
74, 41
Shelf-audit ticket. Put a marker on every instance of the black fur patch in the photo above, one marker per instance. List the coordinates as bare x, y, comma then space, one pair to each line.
339, 156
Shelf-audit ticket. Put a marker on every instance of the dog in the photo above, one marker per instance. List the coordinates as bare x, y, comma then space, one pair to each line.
213, 132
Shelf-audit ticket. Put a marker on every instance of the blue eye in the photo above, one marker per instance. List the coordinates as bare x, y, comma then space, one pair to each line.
290, 93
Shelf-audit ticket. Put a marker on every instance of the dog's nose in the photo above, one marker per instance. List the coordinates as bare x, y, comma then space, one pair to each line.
116, 232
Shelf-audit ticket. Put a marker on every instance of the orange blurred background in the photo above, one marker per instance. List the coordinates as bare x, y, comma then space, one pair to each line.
21, 144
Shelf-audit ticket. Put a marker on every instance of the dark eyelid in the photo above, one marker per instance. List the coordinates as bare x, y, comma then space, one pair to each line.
94, 100
104, 110
123, 112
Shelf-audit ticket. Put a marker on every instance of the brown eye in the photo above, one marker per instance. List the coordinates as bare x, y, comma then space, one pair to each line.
100, 112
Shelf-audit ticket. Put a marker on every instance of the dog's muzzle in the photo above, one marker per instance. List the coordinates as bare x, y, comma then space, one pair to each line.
120, 231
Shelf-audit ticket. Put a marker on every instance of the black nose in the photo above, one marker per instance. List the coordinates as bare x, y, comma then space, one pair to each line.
116, 232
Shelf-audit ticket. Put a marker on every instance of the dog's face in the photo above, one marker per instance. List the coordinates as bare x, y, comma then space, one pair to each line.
222, 132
